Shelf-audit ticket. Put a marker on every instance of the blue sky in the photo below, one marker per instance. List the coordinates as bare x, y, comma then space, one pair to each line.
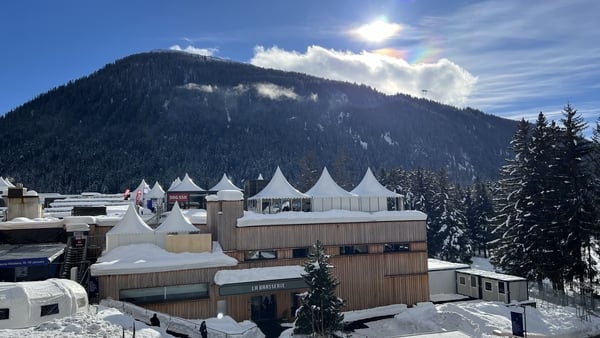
508, 58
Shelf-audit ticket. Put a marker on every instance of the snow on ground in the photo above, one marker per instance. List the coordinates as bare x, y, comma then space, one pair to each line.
482, 264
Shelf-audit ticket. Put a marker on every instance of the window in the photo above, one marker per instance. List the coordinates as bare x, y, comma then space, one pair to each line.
50, 309
255, 255
395, 247
300, 253
354, 249
473, 281
462, 280
163, 294
488, 286
501, 287
4, 314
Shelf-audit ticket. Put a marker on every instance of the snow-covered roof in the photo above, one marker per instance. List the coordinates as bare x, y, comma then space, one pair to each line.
437, 265
176, 222
41, 253
278, 187
326, 187
330, 216
258, 274
492, 275
175, 183
369, 186
4, 183
224, 184
186, 185
20, 223
147, 257
156, 192
131, 223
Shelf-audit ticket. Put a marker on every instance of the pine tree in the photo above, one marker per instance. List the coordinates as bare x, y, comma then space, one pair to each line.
320, 310
479, 211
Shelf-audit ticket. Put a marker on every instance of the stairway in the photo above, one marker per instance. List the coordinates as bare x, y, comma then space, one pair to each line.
75, 256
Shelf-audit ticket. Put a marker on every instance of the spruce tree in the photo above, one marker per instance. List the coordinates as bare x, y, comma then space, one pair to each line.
479, 212
320, 311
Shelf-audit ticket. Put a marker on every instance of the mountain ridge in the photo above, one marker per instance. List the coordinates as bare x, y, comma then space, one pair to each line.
159, 115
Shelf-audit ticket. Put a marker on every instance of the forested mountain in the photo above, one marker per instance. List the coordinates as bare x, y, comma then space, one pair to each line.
160, 115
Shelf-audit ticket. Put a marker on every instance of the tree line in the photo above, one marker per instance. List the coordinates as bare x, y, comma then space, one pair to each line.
539, 220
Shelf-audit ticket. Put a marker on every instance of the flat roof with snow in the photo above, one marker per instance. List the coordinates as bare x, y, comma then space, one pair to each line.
330, 216
439, 265
12, 256
492, 275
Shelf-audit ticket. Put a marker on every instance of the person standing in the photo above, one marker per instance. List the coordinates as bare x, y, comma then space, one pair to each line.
154, 321
203, 330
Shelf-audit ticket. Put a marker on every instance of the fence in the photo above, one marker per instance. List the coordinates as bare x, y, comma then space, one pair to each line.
584, 302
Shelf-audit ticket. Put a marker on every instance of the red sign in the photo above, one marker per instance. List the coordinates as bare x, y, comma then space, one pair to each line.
178, 197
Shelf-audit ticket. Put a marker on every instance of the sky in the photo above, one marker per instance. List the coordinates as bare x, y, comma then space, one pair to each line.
509, 58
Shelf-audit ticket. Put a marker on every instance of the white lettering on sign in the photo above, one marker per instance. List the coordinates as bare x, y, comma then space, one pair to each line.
271, 286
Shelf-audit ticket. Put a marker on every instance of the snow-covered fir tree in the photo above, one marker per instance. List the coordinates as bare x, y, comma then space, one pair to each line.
319, 315
479, 212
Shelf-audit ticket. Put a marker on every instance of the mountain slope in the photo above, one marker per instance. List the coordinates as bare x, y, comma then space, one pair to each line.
160, 115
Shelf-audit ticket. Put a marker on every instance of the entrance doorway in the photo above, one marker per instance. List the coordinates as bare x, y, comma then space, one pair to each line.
263, 308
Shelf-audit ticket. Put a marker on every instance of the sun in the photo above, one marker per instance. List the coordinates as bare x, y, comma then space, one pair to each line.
377, 31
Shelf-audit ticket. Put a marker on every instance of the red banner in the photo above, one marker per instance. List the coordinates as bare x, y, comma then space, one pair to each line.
178, 197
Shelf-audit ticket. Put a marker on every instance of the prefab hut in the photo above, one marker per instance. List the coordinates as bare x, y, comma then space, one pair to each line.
492, 286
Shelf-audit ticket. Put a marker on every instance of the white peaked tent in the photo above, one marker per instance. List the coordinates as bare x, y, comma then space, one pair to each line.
327, 195
156, 196
131, 229
373, 196
224, 184
176, 222
186, 185
277, 195
4, 185
143, 189
174, 184
32, 303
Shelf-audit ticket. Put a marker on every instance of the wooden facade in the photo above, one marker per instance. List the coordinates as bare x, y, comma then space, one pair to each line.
373, 276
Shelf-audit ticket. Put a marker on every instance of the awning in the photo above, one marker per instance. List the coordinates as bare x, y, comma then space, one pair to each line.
13, 256
259, 280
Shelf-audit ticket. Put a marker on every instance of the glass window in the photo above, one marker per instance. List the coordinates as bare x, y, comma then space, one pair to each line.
462, 280
4, 314
49, 309
395, 247
163, 294
354, 249
300, 252
253, 255
500, 287
488, 286
473, 281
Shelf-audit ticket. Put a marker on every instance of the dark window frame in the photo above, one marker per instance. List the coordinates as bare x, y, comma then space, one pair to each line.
49, 309
501, 289
4, 313
162, 294
473, 281
488, 286
347, 250
396, 247
260, 255
300, 252
462, 280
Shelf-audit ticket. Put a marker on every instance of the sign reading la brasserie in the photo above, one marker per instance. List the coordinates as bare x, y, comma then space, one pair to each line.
262, 286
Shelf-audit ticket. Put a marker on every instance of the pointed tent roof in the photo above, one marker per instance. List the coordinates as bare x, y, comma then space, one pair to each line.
326, 187
175, 183
260, 178
186, 185
279, 187
156, 192
143, 187
369, 186
6, 183
176, 222
131, 223
225, 184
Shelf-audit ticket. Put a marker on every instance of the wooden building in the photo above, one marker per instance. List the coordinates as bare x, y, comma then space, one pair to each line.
255, 266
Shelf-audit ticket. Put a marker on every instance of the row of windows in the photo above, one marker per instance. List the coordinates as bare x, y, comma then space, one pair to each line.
344, 250
486, 285
45, 310
163, 294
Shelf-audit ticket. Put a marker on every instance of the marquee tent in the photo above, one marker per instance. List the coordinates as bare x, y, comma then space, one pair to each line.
327, 195
130, 229
278, 195
373, 196
176, 222
224, 184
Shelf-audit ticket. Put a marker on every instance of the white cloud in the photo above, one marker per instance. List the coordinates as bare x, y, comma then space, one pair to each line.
275, 92
198, 87
193, 50
444, 80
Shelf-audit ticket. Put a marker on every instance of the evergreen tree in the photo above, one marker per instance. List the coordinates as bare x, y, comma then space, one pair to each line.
577, 212
447, 225
479, 212
510, 249
320, 310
